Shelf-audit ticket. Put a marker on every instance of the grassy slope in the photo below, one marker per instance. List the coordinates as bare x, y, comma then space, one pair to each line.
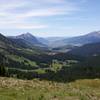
15, 89
15, 55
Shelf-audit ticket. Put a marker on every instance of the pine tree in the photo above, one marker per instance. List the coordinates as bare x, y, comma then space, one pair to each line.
2, 71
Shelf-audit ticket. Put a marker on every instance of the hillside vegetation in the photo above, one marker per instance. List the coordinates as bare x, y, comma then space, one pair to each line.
31, 72
15, 89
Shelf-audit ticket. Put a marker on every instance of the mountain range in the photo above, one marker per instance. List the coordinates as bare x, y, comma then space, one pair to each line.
56, 42
85, 44
29, 52
92, 37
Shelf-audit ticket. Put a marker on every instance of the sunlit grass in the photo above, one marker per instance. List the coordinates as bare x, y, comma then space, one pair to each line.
22, 60
15, 89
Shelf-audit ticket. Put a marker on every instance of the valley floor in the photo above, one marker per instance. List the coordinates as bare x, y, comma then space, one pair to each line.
16, 89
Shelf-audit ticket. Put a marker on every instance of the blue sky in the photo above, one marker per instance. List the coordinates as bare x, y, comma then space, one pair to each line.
46, 18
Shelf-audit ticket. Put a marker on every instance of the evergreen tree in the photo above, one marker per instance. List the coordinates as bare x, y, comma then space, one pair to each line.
2, 71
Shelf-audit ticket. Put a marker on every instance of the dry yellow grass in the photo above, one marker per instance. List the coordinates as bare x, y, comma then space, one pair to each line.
16, 89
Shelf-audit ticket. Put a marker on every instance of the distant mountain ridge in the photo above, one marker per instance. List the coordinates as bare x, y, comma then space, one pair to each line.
13, 48
27, 38
63, 44
92, 37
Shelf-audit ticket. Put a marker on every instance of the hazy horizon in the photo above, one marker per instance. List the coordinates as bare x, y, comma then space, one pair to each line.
49, 18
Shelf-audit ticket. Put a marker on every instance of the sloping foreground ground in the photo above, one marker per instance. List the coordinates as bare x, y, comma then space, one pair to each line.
15, 89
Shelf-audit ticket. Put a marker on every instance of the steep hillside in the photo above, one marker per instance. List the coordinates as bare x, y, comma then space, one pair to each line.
92, 49
43, 40
28, 39
18, 54
5, 42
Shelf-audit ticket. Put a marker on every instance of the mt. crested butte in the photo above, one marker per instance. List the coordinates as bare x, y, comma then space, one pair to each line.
29, 38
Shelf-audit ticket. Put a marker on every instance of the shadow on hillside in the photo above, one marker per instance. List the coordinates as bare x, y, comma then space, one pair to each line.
71, 74
66, 74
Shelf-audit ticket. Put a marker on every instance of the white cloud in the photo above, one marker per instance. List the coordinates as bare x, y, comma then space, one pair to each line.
30, 26
45, 12
14, 25
37, 8
11, 4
